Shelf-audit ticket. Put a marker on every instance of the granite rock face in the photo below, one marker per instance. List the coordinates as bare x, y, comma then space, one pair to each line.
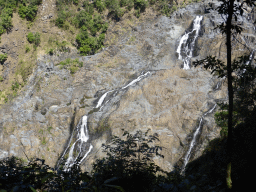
169, 100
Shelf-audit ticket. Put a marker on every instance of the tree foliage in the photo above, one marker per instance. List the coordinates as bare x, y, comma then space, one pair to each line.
26, 9
232, 9
3, 58
91, 18
129, 162
34, 38
127, 167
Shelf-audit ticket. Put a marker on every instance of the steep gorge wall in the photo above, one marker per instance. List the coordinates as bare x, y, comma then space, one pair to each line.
169, 101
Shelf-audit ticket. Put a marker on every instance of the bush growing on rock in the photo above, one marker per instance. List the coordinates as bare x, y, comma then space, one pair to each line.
6, 22
140, 5
91, 19
71, 64
100, 5
129, 162
35, 39
126, 168
28, 9
174, 8
27, 49
30, 37
51, 51
28, 12
3, 58
2, 29
7, 12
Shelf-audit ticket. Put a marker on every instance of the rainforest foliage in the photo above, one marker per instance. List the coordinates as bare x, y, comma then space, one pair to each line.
27, 9
241, 87
128, 166
92, 18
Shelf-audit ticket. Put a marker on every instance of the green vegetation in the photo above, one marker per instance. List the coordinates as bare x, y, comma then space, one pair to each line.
24, 69
15, 86
43, 141
71, 64
93, 110
1, 78
221, 121
27, 49
51, 51
92, 18
57, 46
241, 88
29, 11
128, 161
127, 167
3, 58
49, 129
30, 37
3, 96
174, 8
6, 23
26, 9
34, 38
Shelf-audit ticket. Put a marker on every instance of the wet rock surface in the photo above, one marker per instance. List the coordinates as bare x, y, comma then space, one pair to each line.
169, 101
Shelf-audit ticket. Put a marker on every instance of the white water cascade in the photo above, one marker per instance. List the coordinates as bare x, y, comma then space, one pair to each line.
136, 80
101, 100
193, 142
81, 148
249, 61
82, 138
187, 43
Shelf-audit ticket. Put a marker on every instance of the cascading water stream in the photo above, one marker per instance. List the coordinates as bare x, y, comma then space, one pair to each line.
187, 43
136, 80
102, 98
249, 61
83, 137
193, 142
79, 146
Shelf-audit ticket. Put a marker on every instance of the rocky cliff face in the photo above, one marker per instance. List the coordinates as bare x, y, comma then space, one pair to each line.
168, 100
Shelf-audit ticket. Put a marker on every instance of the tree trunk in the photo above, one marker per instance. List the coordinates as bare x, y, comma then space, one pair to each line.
230, 93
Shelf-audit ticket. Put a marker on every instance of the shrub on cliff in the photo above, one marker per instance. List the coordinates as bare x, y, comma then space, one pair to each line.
16, 175
140, 4
72, 65
100, 5
28, 12
3, 58
30, 37
28, 9
6, 22
34, 38
129, 162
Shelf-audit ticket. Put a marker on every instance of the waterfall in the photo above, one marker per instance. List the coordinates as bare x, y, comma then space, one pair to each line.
136, 80
249, 61
82, 138
187, 43
193, 142
102, 98
78, 149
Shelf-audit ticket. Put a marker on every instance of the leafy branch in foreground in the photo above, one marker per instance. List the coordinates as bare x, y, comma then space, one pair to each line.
128, 167
232, 9
130, 162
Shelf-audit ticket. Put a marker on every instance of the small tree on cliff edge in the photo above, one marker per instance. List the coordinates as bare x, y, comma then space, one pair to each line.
232, 9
